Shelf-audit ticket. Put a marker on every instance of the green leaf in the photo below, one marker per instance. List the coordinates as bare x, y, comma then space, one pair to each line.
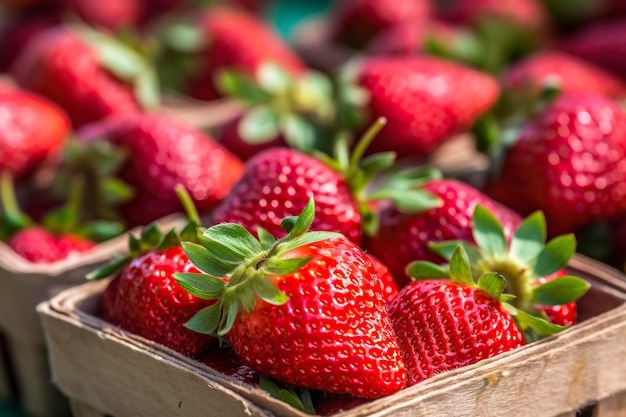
273, 78
206, 320
170, 240
288, 396
487, 133
373, 164
493, 284
236, 84
308, 238
151, 236
61, 220
460, 269
414, 201
409, 178
288, 222
247, 298
147, 90
446, 249
559, 291
529, 238
422, 270
554, 255
268, 291
185, 38
230, 316
201, 285
230, 241
259, 125
488, 232
134, 244
108, 269
265, 238
102, 230
539, 325
190, 233
207, 262
278, 266
304, 221
299, 133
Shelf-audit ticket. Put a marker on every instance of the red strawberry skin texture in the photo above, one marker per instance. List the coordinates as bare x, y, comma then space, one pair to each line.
58, 65
332, 334
278, 183
425, 100
572, 75
238, 40
164, 152
388, 285
569, 162
24, 144
146, 300
442, 325
37, 245
403, 238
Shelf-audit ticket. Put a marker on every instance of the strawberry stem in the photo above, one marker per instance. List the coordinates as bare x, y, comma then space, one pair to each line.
188, 205
7, 194
364, 143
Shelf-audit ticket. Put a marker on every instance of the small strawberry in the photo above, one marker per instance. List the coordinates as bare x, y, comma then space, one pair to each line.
425, 100
409, 234
533, 269
314, 297
568, 162
231, 39
24, 144
603, 43
568, 73
162, 152
445, 324
144, 298
89, 74
38, 245
356, 22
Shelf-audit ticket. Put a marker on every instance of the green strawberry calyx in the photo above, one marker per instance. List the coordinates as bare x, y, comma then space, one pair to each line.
152, 238
12, 219
229, 251
522, 262
493, 283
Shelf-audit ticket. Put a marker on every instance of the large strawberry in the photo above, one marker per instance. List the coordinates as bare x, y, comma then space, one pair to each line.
145, 299
603, 43
425, 100
90, 75
230, 38
32, 131
409, 234
162, 152
568, 73
533, 269
313, 297
568, 162
356, 22
444, 324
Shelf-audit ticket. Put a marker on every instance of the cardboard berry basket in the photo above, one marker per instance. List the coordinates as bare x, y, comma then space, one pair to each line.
106, 371
23, 359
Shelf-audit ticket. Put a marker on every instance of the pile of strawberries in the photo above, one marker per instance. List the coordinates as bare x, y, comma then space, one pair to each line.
325, 260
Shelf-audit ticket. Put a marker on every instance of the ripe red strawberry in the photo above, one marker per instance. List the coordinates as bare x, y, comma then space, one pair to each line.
313, 297
145, 299
38, 245
568, 162
110, 14
24, 144
356, 22
389, 288
570, 74
603, 43
71, 69
425, 100
446, 324
237, 40
278, 182
410, 234
163, 152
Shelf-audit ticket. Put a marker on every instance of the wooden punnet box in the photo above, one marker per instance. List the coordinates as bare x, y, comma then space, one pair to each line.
24, 367
106, 371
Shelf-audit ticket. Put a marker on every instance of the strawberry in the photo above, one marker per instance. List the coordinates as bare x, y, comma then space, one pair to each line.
356, 22
389, 287
112, 14
143, 297
236, 39
425, 100
38, 245
603, 43
568, 162
314, 297
410, 233
87, 73
444, 324
162, 152
24, 145
570, 74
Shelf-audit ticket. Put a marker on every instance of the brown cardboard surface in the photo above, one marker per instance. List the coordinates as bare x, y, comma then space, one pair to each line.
116, 372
